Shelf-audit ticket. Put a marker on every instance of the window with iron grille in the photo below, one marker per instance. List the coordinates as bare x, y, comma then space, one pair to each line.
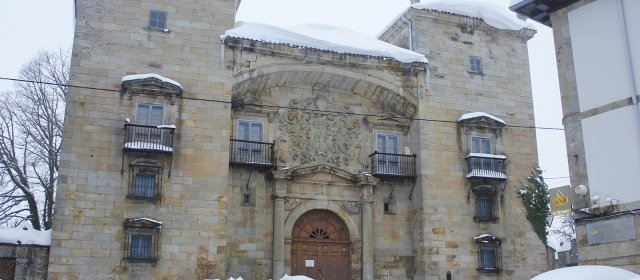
157, 19
141, 240
145, 179
486, 204
489, 253
475, 64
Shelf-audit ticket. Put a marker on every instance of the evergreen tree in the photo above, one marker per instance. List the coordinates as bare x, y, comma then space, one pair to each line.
535, 197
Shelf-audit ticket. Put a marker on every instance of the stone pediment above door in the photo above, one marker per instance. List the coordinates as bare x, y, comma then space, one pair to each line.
324, 174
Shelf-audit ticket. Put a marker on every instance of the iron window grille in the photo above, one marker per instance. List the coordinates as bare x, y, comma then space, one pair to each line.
486, 204
145, 179
157, 19
141, 240
489, 253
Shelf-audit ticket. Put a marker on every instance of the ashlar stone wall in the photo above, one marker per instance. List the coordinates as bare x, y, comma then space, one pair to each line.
112, 39
444, 205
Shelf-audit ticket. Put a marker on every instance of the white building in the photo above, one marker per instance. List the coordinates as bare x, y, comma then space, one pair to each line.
598, 56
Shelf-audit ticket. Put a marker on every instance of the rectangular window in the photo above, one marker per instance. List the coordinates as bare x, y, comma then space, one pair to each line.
486, 206
489, 253
488, 258
387, 146
475, 64
140, 246
145, 185
249, 148
149, 114
481, 145
145, 179
141, 240
249, 130
157, 19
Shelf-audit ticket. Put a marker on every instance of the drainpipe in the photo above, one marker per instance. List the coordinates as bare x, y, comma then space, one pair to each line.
627, 46
410, 31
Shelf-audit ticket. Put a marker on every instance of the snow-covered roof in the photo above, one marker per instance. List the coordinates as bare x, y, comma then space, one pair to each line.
492, 13
150, 75
25, 235
557, 244
325, 38
480, 114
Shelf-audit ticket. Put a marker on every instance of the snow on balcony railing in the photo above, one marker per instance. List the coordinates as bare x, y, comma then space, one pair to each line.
486, 166
149, 138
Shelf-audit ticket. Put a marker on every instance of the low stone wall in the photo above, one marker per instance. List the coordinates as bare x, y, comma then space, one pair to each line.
31, 261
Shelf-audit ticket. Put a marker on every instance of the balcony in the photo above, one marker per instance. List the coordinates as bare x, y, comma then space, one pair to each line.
251, 153
146, 138
393, 165
486, 166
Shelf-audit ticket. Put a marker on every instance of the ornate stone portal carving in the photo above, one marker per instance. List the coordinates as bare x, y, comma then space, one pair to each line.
310, 134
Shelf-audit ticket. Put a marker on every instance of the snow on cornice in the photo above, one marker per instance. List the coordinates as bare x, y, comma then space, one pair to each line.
493, 14
25, 236
149, 75
480, 114
325, 38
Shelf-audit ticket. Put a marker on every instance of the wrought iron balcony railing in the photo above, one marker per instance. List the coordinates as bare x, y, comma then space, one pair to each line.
243, 152
148, 138
486, 166
392, 165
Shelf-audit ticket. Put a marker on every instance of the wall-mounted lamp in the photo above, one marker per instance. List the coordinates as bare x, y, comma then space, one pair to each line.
581, 190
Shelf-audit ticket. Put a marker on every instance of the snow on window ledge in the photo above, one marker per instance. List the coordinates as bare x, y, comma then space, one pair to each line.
150, 75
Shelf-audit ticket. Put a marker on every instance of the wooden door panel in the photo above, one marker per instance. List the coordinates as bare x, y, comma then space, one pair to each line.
321, 236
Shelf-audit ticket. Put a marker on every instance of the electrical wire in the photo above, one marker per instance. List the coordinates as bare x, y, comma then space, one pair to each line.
275, 106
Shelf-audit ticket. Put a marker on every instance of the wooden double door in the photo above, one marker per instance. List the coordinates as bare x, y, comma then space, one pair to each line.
320, 247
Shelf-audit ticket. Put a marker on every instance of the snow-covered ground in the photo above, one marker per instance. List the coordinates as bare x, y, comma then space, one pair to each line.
285, 277
588, 272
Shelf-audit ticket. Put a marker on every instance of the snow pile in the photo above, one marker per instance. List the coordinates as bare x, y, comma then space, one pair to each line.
146, 219
149, 75
24, 235
147, 146
478, 115
493, 14
323, 37
588, 272
296, 277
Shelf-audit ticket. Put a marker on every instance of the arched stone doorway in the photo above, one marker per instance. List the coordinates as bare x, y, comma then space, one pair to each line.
320, 246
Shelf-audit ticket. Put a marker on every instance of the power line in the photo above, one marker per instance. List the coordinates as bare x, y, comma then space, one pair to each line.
273, 106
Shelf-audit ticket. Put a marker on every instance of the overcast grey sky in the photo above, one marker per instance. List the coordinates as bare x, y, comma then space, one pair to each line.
27, 26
